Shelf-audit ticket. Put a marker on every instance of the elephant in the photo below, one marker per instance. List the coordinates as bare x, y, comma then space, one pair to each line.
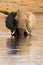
22, 19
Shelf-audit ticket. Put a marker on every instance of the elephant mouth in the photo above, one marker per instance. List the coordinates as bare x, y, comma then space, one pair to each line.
17, 32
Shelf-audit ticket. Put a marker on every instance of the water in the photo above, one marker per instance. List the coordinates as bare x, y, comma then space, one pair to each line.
39, 19
22, 50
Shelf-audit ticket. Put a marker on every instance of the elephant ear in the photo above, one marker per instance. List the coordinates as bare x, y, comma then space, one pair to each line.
32, 20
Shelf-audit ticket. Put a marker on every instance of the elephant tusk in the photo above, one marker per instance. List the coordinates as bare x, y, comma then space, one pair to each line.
13, 32
27, 31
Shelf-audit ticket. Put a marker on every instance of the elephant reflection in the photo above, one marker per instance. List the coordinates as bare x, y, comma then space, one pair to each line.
19, 44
